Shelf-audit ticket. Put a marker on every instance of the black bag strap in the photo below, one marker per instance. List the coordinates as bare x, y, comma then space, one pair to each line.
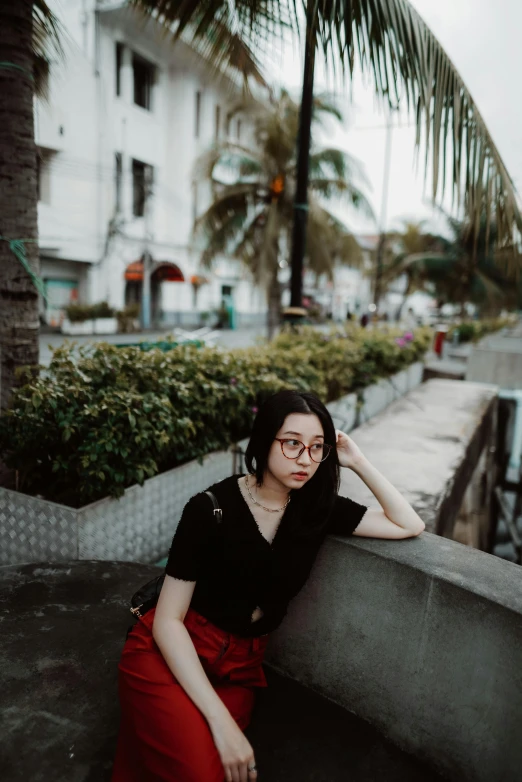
153, 587
218, 513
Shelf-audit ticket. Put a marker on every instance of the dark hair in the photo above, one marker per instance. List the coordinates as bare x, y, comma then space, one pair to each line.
312, 504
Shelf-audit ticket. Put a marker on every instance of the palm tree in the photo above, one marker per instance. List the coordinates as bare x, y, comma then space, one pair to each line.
250, 216
24, 29
412, 241
28, 30
389, 40
459, 269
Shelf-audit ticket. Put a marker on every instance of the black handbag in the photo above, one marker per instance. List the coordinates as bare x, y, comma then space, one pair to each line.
147, 595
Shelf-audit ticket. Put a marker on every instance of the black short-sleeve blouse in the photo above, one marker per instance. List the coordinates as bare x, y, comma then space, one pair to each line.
234, 566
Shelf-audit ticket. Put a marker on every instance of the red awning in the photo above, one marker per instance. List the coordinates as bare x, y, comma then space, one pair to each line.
161, 272
168, 272
134, 272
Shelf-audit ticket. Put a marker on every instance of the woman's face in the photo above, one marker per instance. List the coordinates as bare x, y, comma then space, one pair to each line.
297, 426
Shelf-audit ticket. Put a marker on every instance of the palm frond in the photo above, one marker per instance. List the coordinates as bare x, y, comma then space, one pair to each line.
390, 40
330, 188
220, 224
337, 161
324, 105
227, 35
237, 159
48, 35
491, 289
329, 241
257, 247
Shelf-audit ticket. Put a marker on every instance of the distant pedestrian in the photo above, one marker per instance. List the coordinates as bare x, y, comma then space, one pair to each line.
364, 320
191, 665
349, 315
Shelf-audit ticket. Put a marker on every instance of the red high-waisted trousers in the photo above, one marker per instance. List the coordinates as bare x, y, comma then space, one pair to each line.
163, 736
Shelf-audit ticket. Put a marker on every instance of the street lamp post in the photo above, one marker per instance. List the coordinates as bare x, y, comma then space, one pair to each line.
379, 260
146, 258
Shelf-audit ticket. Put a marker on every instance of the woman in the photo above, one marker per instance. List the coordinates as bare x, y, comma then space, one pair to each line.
190, 666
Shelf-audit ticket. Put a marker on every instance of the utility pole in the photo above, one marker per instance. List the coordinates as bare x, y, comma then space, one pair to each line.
147, 259
383, 216
295, 312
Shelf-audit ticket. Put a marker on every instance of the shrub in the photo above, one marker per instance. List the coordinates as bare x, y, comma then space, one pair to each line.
127, 317
349, 357
107, 417
102, 310
77, 313
81, 312
473, 330
102, 418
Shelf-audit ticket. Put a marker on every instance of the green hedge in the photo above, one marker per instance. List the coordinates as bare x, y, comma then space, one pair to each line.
473, 330
105, 417
77, 313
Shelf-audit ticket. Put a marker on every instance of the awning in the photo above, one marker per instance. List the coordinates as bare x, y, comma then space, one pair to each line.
162, 271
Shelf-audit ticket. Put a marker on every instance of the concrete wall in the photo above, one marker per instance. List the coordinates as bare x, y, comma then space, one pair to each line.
500, 362
423, 638
428, 444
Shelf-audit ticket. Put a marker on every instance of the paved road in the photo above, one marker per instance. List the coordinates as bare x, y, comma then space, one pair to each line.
238, 338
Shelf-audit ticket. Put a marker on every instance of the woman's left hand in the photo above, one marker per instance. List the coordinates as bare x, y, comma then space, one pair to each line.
348, 453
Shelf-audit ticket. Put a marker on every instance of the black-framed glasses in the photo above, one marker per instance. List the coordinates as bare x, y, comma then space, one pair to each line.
293, 449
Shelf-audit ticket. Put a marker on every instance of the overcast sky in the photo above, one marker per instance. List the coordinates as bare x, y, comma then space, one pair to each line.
482, 38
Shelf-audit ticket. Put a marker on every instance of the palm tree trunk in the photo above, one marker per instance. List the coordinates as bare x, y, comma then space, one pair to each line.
19, 322
274, 305
404, 297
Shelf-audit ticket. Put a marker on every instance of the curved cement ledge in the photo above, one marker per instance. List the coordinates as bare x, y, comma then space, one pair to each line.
422, 638
428, 444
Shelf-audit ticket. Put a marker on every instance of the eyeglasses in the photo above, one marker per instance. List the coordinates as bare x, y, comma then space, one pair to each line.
293, 449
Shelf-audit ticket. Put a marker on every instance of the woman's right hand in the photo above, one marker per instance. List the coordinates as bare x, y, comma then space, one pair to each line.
234, 749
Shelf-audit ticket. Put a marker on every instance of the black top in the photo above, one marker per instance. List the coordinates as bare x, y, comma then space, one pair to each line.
236, 569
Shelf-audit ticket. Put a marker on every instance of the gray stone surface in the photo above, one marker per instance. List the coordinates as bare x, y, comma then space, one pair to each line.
63, 627
427, 444
445, 369
422, 638
498, 359
299, 735
459, 352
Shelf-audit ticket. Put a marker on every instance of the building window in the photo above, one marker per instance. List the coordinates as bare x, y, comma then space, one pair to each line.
144, 74
43, 174
217, 122
119, 63
238, 132
118, 174
197, 122
142, 175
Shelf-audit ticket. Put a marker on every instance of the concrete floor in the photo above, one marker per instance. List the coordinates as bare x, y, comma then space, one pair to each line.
299, 735
63, 627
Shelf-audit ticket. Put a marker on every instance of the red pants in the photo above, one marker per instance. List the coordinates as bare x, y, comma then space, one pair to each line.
163, 736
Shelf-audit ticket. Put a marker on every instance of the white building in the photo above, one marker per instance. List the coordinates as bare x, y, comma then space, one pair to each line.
124, 109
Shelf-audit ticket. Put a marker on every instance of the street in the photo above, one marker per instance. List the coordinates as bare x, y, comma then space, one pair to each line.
239, 338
